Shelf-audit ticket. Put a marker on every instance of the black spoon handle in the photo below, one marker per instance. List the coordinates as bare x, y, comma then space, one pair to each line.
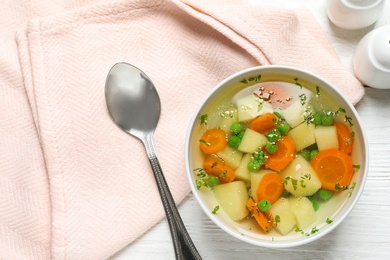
183, 245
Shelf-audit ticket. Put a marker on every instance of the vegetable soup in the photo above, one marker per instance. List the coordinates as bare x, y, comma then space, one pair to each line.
276, 155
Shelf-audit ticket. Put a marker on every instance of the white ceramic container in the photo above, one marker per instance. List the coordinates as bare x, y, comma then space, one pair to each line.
354, 14
372, 58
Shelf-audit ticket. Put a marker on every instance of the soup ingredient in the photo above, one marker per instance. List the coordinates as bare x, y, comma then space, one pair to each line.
315, 203
345, 138
271, 147
225, 120
317, 119
313, 153
203, 119
264, 123
234, 141
300, 179
262, 219
264, 205
242, 172
252, 141
326, 137
294, 114
232, 197
258, 160
303, 210
236, 128
282, 216
212, 141
274, 135
327, 119
205, 180
256, 178
250, 107
270, 187
303, 136
283, 156
230, 156
214, 165
324, 195
283, 128
334, 168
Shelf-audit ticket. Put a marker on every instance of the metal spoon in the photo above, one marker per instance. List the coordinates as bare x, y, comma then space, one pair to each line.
134, 105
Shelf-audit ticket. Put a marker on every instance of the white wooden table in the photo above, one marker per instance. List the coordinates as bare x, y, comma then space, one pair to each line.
365, 234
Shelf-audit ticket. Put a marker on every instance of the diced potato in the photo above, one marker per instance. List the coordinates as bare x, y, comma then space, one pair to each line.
255, 180
228, 118
252, 141
303, 136
232, 197
303, 210
231, 157
242, 172
300, 178
326, 137
294, 114
248, 108
282, 216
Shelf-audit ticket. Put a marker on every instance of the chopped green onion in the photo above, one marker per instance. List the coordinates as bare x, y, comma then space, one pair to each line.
315, 203
203, 119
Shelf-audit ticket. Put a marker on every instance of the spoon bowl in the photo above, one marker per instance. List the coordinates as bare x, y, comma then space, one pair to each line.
132, 100
134, 105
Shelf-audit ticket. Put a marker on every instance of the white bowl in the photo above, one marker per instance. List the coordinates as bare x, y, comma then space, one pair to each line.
243, 230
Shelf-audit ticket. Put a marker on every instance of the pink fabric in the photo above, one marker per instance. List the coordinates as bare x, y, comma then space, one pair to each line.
72, 184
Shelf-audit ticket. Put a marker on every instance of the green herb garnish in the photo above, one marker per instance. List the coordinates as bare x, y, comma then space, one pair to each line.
349, 120
204, 142
318, 91
203, 119
251, 79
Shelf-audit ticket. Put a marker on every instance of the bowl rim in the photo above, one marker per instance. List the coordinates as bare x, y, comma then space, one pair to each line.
278, 69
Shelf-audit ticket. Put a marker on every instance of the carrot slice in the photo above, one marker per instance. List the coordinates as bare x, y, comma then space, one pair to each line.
345, 138
213, 141
226, 174
334, 169
283, 156
214, 165
263, 123
270, 187
263, 221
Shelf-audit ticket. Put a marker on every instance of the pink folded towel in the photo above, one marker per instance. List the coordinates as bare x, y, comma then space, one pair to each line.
72, 184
